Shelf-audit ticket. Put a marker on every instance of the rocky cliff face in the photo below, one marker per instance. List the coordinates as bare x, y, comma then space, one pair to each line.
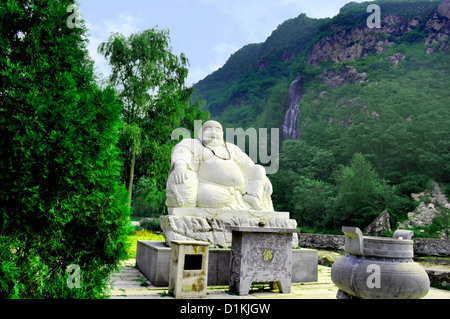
438, 28
362, 41
348, 75
432, 203
257, 71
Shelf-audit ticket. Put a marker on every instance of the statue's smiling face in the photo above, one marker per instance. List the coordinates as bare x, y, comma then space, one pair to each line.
212, 133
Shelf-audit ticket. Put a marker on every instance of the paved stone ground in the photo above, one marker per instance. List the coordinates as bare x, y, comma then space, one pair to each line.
129, 283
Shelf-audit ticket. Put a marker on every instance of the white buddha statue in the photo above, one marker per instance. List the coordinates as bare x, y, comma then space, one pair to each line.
210, 173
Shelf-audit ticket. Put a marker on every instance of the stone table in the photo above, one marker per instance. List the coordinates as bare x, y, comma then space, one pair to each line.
260, 254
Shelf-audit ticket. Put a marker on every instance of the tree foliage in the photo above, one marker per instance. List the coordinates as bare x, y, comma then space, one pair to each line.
361, 193
61, 198
151, 83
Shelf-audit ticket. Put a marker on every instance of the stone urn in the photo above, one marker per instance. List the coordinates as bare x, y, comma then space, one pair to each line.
379, 268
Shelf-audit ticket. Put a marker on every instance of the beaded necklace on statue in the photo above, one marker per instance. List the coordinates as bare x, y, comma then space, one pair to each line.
214, 153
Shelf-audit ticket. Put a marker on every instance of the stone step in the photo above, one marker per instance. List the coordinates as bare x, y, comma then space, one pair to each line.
128, 282
128, 275
128, 286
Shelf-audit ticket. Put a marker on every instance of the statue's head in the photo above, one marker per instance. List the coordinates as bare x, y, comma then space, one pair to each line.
211, 133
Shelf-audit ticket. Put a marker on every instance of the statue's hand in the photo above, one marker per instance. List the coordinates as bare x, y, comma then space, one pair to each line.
179, 173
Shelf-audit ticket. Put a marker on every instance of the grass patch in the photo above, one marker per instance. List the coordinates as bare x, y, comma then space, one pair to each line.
166, 293
141, 235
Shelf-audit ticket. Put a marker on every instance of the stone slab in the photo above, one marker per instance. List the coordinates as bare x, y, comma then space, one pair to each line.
214, 230
190, 242
153, 260
304, 265
247, 229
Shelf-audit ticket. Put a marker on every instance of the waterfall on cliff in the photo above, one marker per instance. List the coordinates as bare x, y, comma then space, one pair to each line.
290, 129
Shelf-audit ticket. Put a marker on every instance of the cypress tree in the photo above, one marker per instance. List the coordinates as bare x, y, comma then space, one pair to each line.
61, 199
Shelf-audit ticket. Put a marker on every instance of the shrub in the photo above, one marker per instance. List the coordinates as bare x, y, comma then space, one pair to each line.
413, 36
312, 200
412, 183
151, 224
148, 201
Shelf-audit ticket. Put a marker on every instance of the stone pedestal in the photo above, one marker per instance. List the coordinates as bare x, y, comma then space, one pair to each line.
188, 273
210, 225
260, 254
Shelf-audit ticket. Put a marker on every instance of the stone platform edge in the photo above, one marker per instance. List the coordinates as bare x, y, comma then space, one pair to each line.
226, 213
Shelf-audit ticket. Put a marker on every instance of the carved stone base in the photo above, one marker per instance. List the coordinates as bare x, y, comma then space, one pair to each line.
261, 254
210, 225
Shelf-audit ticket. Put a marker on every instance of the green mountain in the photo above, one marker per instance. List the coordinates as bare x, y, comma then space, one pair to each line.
243, 87
350, 101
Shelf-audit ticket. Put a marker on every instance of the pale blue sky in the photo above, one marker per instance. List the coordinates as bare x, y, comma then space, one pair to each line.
206, 31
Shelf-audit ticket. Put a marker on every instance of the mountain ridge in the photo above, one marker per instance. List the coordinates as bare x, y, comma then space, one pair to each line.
367, 122
296, 40
258, 57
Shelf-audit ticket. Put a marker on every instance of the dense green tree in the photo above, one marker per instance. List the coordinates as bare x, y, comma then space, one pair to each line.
361, 194
312, 202
61, 199
151, 83
301, 166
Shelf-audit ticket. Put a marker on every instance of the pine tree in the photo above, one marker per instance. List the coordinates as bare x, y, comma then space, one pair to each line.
362, 194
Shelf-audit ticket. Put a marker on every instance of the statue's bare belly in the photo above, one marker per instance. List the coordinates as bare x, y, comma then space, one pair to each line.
221, 172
